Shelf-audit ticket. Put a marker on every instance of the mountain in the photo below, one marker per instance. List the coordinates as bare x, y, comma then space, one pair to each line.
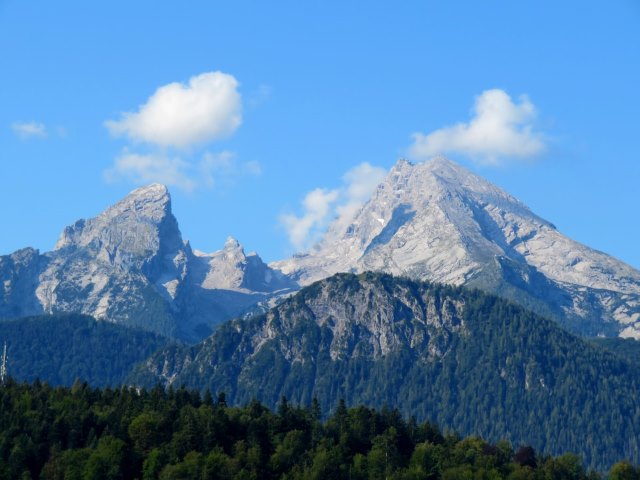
61, 349
466, 360
437, 221
434, 221
130, 265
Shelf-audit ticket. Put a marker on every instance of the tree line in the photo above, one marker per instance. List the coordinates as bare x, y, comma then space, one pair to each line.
81, 432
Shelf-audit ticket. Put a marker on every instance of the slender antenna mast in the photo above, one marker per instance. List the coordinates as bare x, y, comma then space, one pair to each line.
3, 365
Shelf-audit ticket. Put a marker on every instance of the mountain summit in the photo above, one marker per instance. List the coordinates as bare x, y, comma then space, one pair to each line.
432, 221
438, 221
130, 265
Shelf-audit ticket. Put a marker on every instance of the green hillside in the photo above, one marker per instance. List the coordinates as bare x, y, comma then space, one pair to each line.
62, 348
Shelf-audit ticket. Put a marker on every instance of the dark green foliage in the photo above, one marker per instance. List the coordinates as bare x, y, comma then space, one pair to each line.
63, 348
508, 374
84, 433
625, 348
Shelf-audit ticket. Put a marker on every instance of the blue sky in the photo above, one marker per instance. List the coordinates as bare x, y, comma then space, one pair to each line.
306, 92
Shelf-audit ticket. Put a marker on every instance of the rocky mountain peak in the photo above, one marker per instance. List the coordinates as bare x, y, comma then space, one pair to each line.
150, 204
439, 221
439, 164
232, 244
140, 224
434, 220
130, 265
442, 164
232, 269
401, 165
132, 253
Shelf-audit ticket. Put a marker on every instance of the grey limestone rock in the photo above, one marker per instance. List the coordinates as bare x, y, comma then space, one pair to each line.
437, 221
130, 265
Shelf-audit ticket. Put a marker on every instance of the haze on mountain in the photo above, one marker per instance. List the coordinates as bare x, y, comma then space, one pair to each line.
432, 221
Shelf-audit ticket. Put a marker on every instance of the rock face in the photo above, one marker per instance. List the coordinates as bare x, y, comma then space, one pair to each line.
230, 268
130, 265
342, 318
124, 265
437, 221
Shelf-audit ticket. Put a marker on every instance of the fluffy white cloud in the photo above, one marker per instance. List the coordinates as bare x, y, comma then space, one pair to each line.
317, 204
321, 205
212, 169
26, 130
360, 182
179, 115
500, 130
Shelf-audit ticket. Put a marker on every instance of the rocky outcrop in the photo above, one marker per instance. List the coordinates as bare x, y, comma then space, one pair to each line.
232, 269
344, 318
123, 265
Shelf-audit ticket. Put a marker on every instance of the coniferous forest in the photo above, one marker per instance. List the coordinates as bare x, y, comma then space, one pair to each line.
86, 433
61, 348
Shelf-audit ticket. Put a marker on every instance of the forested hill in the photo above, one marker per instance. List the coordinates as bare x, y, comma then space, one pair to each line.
61, 348
75, 433
466, 360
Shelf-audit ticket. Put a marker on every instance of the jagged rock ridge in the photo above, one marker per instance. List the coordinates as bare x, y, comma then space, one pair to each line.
369, 317
437, 221
434, 221
130, 265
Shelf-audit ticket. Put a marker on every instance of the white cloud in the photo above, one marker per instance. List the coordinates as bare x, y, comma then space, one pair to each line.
151, 168
499, 131
223, 167
179, 115
361, 180
212, 169
26, 130
321, 205
252, 168
317, 205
